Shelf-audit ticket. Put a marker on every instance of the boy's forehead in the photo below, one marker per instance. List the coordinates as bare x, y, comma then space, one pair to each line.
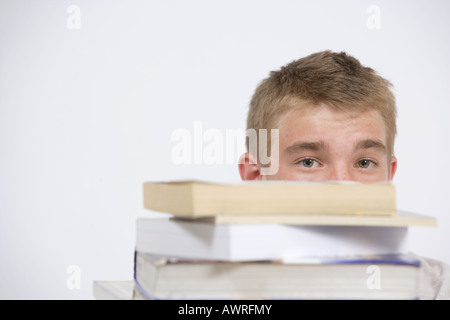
323, 121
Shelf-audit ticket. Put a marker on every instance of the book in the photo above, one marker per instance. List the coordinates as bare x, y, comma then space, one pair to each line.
206, 199
191, 239
360, 277
114, 290
401, 219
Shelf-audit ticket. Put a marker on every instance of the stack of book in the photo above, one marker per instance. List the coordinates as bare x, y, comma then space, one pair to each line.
274, 240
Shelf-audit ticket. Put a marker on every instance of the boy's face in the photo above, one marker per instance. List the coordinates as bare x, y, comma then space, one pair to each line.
320, 144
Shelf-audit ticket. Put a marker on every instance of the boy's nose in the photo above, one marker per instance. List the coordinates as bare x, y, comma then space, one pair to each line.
340, 173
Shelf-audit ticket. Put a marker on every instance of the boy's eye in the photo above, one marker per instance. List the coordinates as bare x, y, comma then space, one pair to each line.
308, 163
364, 163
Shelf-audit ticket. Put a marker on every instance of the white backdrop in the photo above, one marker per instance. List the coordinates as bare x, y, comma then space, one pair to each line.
92, 91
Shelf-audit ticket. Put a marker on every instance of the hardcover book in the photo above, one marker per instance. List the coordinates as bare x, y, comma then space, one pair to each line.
347, 277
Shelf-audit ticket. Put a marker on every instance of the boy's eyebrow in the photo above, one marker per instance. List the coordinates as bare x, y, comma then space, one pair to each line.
306, 146
370, 143
320, 145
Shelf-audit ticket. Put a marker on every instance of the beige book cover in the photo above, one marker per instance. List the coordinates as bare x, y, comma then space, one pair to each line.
207, 199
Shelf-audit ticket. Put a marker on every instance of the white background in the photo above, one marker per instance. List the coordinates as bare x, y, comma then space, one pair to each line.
86, 115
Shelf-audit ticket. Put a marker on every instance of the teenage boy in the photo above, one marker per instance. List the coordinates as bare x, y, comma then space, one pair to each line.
337, 122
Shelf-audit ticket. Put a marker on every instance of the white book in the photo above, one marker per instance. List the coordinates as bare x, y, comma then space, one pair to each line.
251, 242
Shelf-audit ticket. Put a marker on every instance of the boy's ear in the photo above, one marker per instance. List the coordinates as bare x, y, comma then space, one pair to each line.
249, 168
393, 168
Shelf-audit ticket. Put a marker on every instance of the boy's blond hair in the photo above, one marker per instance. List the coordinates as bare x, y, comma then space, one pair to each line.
336, 80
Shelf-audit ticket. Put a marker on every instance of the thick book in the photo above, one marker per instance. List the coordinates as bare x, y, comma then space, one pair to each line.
192, 239
206, 199
360, 277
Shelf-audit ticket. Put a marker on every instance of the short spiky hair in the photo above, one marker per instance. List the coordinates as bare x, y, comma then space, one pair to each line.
334, 79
